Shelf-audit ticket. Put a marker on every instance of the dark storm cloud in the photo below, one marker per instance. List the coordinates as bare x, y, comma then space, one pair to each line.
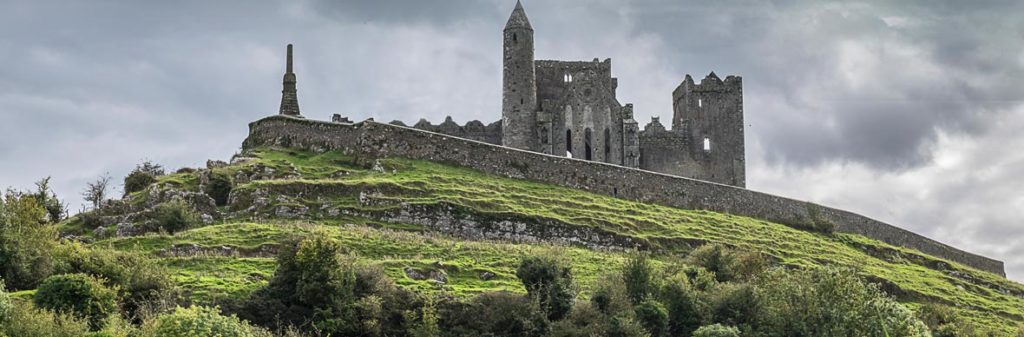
903, 111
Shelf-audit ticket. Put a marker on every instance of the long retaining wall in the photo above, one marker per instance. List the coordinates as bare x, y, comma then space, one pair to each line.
375, 140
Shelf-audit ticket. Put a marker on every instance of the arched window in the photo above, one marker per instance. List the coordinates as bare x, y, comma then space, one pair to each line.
586, 145
707, 144
607, 145
568, 143
515, 37
544, 135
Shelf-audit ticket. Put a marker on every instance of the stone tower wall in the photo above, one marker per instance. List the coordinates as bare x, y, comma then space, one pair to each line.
519, 86
711, 114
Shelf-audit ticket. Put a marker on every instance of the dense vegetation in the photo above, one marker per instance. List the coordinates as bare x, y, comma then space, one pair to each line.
305, 262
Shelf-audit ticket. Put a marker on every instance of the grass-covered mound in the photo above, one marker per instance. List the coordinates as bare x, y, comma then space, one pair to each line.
279, 194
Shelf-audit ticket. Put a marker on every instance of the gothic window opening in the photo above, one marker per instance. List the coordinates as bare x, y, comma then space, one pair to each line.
544, 135
515, 37
586, 145
707, 144
700, 102
568, 143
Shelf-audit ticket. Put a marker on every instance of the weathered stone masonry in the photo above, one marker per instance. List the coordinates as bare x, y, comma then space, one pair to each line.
371, 140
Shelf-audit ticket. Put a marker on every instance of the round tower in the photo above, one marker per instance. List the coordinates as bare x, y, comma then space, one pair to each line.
519, 94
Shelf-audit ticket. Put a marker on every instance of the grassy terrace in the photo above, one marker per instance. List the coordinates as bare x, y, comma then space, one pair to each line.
986, 298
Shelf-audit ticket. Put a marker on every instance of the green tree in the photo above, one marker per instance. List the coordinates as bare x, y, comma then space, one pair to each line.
683, 304
638, 275
549, 281
142, 176
56, 210
5, 304
829, 302
26, 241
82, 295
653, 316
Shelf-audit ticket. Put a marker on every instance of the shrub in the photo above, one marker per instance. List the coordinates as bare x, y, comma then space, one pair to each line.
28, 321
609, 295
173, 216
653, 317
638, 276
5, 304
728, 264
624, 325
584, 320
26, 241
219, 188
683, 305
142, 176
314, 284
716, 330
200, 321
495, 314
78, 294
143, 283
829, 302
734, 304
550, 282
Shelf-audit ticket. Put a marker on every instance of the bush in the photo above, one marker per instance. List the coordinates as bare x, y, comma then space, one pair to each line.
683, 305
717, 330
653, 317
200, 321
584, 320
829, 302
314, 284
609, 295
728, 264
495, 314
26, 241
638, 275
735, 304
142, 176
173, 216
28, 321
219, 188
549, 281
624, 325
143, 283
5, 304
78, 294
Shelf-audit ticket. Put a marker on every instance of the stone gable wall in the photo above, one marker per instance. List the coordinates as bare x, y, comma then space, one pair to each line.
370, 140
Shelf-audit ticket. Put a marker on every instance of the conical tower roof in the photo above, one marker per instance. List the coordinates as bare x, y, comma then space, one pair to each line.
518, 18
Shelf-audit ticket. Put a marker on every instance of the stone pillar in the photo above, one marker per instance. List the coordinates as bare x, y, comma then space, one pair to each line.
289, 95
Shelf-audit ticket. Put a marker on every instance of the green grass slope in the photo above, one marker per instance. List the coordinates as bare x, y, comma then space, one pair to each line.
235, 256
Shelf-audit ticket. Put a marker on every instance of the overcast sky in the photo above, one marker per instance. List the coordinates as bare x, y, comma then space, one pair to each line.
907, 112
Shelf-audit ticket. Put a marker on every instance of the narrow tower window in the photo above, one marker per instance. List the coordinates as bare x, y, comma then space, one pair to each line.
586, 145
707, 144
515, 37
700, 103
607, 145
568, 143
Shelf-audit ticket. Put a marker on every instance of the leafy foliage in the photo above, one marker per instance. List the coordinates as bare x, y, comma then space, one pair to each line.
550, 282
79, 294
653, 316
28, 321
173, 216
142, 176
638, 275
200, 321
5, 304
219, 187
716, 330
26, 241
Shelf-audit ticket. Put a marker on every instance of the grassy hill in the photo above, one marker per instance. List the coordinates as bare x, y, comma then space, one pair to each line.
279, 194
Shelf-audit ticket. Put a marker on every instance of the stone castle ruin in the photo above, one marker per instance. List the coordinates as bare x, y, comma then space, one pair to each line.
562, 124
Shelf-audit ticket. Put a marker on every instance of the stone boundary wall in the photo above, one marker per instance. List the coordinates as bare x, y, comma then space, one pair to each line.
370, 140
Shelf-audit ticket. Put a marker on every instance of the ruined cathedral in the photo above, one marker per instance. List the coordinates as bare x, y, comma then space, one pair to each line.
570, 108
